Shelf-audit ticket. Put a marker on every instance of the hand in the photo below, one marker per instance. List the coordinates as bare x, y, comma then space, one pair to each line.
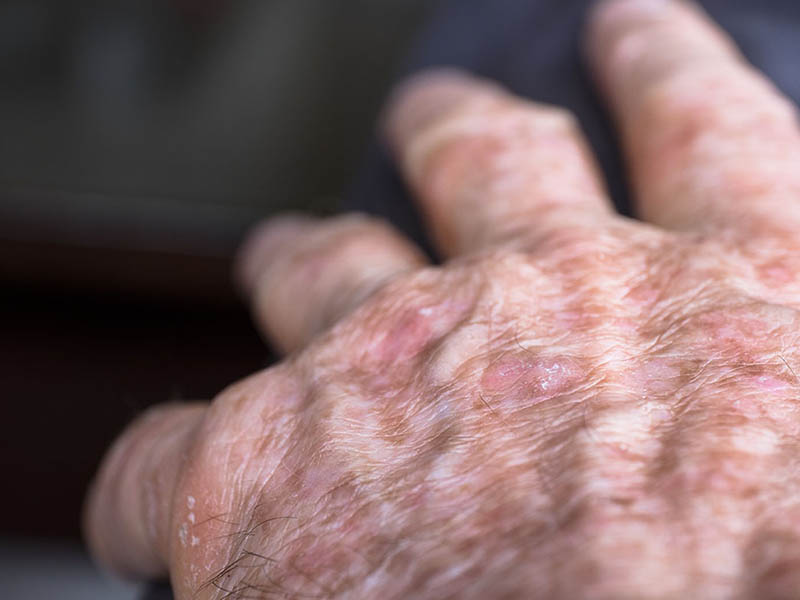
575, 405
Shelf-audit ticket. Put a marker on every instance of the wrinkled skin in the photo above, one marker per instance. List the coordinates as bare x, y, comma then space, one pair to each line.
574, 405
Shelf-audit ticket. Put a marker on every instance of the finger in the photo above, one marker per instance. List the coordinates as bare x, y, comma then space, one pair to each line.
488, 167
709, 140
302, 274
127, 515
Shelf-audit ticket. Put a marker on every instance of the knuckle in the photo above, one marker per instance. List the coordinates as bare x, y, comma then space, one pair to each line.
246, 424
400, 322
274, 389
571, 243
239, 448
492, 136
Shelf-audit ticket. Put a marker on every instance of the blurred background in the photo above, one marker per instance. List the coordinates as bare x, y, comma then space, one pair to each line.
138, 141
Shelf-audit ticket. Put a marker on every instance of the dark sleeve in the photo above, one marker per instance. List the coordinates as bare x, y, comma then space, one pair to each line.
533, 48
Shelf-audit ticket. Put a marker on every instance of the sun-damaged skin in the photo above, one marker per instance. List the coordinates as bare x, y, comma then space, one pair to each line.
573, 405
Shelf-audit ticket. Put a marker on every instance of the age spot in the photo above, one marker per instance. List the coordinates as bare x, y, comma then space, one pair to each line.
732, 331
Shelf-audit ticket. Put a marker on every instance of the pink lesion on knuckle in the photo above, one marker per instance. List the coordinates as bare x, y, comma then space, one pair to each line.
404, 324
529, 377
407, 336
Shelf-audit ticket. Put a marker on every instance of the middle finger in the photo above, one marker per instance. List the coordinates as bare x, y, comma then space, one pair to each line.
489, 168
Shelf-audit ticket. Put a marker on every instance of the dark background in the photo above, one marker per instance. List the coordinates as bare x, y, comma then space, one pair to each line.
138, 141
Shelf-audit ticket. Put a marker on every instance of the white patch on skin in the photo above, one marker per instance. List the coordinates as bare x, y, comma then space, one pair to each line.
554, 373
191, 518
656, 376
183, 531
451, 356
443, 469
195, 540
622, 431
756, 440
426, 312
190, 501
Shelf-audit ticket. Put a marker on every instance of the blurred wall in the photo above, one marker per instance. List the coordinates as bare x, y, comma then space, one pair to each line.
139, 139
172, 125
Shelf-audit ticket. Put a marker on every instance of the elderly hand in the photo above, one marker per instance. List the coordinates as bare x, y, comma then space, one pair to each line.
575, 405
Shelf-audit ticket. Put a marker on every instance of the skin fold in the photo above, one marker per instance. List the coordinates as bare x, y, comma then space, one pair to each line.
572, 405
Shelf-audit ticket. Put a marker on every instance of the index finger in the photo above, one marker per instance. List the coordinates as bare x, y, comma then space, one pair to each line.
128, 510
